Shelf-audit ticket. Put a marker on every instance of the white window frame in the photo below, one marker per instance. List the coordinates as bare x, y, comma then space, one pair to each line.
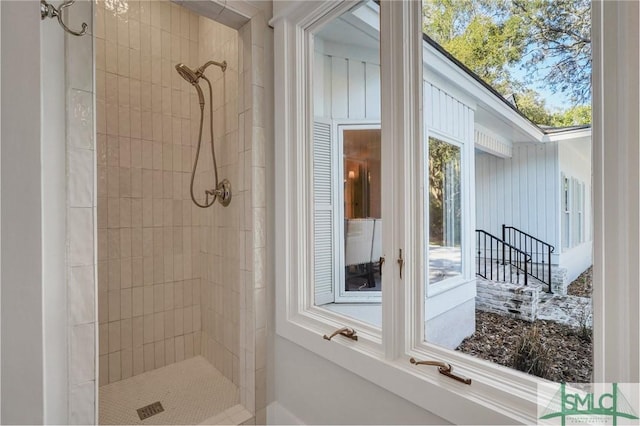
342, 296
497, 395
580, 215
574, 228
467, 271
565, 187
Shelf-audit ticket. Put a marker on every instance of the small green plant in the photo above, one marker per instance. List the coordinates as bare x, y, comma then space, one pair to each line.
530, 355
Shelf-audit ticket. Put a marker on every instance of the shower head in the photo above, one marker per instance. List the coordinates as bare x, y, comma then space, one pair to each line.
192, 77
187, 73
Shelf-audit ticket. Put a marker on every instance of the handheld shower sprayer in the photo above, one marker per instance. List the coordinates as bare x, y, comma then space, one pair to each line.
191, 77
222, 189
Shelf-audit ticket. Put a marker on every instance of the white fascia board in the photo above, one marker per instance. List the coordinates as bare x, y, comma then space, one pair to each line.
492, 143
568, 135
437, 64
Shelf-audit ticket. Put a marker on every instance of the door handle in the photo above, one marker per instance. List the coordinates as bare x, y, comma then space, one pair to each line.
400, 263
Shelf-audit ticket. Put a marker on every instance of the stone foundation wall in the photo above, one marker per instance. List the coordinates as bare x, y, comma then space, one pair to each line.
511, 300
559, 282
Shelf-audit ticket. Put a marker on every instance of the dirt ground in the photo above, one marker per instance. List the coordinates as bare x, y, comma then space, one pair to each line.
496, 338
582, 286
571, 352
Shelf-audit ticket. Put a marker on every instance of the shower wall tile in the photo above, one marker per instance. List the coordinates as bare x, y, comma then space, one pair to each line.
80, 119
220, 312
188, 280
80, 234
82, 404
256, 290
82, 295
114, 367
147, 122
82, 346
79, 63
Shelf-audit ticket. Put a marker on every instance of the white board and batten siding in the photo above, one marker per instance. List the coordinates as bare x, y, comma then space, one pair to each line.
521, 191
346, 88
449, 119
447, 115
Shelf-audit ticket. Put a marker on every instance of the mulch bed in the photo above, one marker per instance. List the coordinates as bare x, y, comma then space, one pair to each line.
496, 337
582, 285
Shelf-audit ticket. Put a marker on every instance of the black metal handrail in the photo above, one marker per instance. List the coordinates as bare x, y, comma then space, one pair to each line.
497, 259
540, 252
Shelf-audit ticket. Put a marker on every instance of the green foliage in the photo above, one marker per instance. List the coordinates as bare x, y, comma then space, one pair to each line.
530, 104
444, 172
491, 37
489, 48
574, 116
475, 32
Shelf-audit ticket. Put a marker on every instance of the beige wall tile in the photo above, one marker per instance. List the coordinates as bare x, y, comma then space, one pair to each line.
169, 351
138, 360
149, 357
137, 331
114, 367
171, 271
126, 363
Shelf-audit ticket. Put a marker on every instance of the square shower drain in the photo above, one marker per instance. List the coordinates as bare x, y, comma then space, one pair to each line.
150, 410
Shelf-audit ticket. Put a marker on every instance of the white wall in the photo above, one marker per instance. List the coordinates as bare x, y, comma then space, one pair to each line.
575, 162
316, 391
521, 191
45, 232
53, 161
22, 276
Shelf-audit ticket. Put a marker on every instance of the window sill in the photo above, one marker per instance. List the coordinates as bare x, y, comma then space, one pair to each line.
494, 397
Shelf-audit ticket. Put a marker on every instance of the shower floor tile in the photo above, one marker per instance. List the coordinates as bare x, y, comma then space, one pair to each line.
191, 392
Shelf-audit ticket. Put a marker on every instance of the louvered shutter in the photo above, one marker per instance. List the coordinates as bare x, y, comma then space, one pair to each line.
324, 229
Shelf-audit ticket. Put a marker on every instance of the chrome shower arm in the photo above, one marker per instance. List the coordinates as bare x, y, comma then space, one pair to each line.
222, 65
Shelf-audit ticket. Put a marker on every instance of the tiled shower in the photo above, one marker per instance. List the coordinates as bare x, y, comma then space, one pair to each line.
176, 281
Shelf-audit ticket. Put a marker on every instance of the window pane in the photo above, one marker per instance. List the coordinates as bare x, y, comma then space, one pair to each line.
362, 219
507, 178
445, 211
347, 164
